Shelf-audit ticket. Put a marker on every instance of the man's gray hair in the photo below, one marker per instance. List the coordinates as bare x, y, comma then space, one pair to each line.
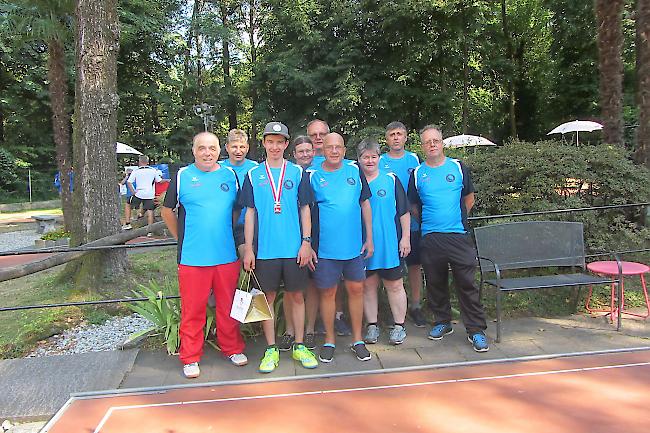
368, 145
143, 159
395, 125
319, 121
430, 127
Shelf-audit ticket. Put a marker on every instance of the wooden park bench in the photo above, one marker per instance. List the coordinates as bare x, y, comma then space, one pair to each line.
45, 223
539, 247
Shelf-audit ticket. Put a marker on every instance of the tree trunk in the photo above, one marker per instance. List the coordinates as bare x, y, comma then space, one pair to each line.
231, 101
465, 72
253, 27
610, 62
58, 88
511, 80
642, 154
96, 199
198, 7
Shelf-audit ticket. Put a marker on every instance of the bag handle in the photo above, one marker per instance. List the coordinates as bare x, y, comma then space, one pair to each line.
246, 281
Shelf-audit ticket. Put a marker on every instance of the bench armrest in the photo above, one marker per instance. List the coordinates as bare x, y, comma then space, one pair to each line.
497, 270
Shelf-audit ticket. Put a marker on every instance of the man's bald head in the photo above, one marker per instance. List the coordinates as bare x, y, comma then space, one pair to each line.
206, 149
334, 149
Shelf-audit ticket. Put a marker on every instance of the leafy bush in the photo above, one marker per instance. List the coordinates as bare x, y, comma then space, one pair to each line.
56, 234
525, 177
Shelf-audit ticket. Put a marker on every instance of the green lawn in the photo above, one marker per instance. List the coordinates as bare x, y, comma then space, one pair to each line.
19, 330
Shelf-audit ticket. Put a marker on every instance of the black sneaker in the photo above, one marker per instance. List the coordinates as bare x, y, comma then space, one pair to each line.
286, 342
417, 316
327, 353
359, 349
342, 328
310, 341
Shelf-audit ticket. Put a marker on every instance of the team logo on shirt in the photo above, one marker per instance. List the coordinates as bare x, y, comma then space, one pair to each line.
262, 180
225, 187
323, 182
195, 182
381, 193
351, 181
450, 177
288, 184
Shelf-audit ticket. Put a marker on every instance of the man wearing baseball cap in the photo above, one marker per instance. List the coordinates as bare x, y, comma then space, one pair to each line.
277, 237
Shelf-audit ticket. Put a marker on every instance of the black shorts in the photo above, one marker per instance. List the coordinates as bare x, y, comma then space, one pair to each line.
414, 256
147, 203
391, 274
270, 272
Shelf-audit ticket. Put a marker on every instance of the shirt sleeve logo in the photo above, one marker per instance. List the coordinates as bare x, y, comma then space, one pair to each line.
381, 193
225, 187
351, 181
450, 178
288, 184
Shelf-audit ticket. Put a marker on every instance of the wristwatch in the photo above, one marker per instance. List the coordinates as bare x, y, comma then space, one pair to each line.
306, 239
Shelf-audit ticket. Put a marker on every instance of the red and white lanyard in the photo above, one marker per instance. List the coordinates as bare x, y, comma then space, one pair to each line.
276, 191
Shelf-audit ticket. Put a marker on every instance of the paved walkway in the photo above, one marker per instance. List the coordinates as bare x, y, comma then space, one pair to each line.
33, 389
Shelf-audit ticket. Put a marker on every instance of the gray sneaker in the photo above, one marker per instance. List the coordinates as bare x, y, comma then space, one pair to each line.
397, 335
372, 334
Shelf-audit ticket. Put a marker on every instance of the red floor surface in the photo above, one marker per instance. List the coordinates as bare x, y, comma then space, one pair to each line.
595, 393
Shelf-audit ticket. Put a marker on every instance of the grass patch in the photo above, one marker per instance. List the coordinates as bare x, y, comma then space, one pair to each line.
20, 330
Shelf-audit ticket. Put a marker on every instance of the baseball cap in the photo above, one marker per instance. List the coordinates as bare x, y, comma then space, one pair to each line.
276, 128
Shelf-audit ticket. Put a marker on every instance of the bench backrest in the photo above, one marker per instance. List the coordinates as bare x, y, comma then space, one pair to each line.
530, 244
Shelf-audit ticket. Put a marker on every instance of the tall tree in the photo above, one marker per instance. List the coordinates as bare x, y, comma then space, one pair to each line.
49, 21
510, 54
642, 154
610, 63
96, 103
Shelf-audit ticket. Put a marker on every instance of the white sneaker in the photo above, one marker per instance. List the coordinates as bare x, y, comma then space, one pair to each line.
238, 359
126, 227
191, 370
149, 235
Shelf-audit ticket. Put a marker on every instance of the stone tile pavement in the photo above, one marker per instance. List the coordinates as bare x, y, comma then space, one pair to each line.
33, 389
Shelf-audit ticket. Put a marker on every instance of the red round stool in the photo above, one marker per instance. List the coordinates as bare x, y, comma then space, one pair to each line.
611, 268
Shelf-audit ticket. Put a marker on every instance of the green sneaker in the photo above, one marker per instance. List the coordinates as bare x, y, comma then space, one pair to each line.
305, 356
270, 360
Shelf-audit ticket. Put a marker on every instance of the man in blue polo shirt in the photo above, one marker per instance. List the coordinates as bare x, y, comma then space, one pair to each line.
237, 148
277, 234
402, 163
205, 196
341, 194
442, 194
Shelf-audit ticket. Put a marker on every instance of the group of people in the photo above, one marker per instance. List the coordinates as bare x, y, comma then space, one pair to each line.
317, 228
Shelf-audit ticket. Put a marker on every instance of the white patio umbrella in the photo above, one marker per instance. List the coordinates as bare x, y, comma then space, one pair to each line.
576, 126
126, 149
465, 140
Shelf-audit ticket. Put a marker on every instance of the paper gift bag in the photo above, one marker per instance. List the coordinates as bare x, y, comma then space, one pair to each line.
250, 305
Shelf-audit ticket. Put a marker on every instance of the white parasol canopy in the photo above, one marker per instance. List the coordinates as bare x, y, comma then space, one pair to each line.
576, 126
126, 149
465, 140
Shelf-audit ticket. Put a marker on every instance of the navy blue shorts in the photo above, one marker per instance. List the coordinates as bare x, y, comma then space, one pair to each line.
328, 271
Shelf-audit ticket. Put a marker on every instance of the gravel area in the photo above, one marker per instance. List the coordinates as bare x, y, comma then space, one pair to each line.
17, 240
92, 338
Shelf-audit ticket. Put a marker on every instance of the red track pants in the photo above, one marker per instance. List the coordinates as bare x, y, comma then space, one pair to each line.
194, 283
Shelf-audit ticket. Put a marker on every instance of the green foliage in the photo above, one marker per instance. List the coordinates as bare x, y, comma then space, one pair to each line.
56, 234
8, 170
526, 177
164, 313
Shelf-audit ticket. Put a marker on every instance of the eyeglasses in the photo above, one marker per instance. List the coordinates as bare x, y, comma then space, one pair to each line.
432, 141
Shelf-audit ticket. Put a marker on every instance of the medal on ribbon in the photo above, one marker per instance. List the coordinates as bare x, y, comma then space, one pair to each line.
276, 191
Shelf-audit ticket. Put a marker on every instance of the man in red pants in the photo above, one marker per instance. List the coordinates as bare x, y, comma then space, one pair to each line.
205, 196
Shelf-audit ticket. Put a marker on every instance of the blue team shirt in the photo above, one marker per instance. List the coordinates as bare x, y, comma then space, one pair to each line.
440, 191
338, 196
241, 170
402, 167
205, 203
388, 203
278, 235
318, 160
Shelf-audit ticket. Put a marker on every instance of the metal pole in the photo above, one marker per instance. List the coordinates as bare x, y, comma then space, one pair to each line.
29, 184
